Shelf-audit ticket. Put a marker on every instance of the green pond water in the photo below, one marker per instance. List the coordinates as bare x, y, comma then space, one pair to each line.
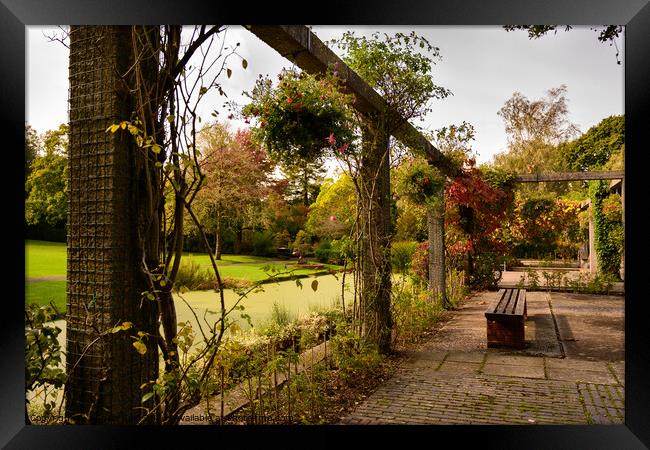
258, 305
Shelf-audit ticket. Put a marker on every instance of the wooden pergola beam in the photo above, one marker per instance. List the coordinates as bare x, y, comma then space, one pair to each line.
570, 176
302, 47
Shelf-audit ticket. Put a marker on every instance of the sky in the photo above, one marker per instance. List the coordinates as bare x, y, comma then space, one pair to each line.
482, 66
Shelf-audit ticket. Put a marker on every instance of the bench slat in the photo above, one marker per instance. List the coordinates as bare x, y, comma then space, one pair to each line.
495, 303
521, 303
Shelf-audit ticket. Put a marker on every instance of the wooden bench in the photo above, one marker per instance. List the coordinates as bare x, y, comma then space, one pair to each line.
505, 319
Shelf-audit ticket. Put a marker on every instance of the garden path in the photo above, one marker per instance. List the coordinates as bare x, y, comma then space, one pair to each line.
572, 371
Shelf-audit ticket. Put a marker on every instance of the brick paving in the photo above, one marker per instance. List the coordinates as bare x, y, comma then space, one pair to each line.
455, 379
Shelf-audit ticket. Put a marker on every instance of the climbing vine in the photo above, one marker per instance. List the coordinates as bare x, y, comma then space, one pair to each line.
608, 227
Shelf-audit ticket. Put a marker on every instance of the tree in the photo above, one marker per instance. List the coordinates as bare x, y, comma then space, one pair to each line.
304, 180
32, 144
46, 187
237, 173
536, 130
333, 214
607, 33
593, 150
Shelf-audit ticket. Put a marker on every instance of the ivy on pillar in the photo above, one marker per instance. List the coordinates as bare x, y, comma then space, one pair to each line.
436, 234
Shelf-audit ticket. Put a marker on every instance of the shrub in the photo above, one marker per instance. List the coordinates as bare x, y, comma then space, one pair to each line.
413, 312
44, 372
192, 277
264, 243
401, 255
353, 357
323, 251
487, 270
342, 249
455, 289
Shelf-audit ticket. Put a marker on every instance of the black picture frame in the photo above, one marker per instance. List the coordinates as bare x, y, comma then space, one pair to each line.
634, 14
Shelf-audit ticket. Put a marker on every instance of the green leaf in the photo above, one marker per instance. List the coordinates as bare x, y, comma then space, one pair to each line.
147, 396
124, 326
140, 347
203, 90
314, 285
244, 63
155, 148
228, 72
299, 283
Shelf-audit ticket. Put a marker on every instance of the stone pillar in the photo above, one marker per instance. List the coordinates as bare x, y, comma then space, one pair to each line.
436, 231
376, 230
104, 279
593, 260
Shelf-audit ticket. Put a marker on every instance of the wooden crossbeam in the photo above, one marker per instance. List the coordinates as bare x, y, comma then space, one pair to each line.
570, 176
302, 47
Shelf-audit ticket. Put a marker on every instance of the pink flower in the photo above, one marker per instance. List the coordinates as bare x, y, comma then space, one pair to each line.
343, 148
289, 100
333, 218
331, 139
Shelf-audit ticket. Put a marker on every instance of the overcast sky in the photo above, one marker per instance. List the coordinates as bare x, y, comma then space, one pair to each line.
482, 66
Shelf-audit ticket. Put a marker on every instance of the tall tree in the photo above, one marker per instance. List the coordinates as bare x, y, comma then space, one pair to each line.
536, 129
237, 174
304, 180
32, 144
46, 186
333, 213
593, 150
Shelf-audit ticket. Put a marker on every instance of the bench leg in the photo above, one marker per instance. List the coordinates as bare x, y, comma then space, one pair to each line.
506, 334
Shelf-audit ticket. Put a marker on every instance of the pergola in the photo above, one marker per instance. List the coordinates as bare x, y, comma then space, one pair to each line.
104, 282
581, 176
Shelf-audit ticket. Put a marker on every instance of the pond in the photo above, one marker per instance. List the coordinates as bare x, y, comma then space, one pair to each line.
258, 305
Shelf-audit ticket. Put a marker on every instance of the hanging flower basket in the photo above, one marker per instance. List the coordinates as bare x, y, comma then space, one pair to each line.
301, 117
418, 181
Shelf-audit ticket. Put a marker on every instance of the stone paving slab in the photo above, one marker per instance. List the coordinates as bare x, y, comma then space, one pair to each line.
473, 357
455, 379
515, 360
587, 376
459, 367
514, 371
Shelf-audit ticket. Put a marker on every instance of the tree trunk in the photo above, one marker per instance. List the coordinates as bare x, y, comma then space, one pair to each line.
305, 186
218, 242
104, 253
376, 230
238, 239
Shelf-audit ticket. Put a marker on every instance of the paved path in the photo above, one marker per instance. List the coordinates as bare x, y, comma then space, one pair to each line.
454, 379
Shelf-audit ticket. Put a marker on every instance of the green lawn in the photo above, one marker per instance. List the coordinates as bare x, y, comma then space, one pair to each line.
46, 259
42, 292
